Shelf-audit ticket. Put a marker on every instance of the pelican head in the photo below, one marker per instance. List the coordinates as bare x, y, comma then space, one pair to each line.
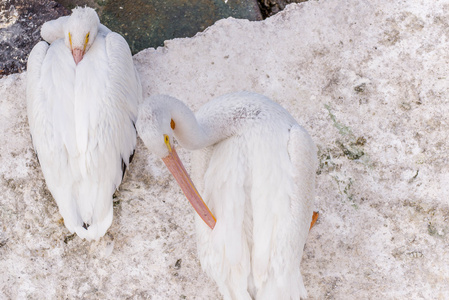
80, 31
156, 126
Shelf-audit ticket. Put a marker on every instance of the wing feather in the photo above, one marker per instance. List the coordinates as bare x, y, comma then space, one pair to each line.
49, 103
49, 107
282, 196
54, 29
34, 66
124, 85
303, 154
224, 252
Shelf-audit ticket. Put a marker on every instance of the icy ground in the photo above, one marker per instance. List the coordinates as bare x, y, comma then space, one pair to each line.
368, 79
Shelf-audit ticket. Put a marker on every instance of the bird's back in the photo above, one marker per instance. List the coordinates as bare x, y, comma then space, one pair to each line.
250, 182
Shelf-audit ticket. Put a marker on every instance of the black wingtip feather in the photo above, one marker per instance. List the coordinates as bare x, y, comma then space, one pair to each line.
35, 152
124, 164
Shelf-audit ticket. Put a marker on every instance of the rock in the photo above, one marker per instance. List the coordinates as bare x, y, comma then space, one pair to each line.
143, 24
269, 8
20, 30
149, 23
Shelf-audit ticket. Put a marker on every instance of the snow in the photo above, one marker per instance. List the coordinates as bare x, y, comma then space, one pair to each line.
367, 79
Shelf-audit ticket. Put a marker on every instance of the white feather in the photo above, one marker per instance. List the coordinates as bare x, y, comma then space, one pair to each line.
82, 119
53, 30
255, 169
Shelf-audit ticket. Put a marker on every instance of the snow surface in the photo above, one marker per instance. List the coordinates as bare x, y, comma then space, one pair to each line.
367, 79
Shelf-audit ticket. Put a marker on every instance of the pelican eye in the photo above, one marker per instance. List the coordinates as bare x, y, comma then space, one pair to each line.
172, 124
167, 142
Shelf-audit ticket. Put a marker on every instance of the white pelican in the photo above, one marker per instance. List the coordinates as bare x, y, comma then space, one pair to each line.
255, 168
82, 97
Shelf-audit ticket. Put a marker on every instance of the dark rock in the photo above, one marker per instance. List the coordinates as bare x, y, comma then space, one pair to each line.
178, 264
148, 23
20, 30
143, 23
271, 7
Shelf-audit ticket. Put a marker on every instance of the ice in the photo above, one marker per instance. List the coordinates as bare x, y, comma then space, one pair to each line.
367, 79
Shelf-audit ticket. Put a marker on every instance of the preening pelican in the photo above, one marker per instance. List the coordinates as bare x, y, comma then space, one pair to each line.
82, 97
255, 168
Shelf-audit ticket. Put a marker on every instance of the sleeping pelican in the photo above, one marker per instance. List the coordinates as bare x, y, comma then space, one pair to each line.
255, 167
82, 96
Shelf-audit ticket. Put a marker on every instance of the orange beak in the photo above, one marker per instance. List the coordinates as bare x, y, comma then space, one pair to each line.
77, 55
176, 167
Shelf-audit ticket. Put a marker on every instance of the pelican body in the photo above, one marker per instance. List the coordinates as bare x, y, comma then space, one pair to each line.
255, 169
82, 97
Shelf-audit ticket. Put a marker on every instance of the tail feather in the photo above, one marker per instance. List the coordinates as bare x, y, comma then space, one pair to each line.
95, 231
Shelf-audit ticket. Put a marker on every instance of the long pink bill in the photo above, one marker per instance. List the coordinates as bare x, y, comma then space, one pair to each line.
176, 167
77, 55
